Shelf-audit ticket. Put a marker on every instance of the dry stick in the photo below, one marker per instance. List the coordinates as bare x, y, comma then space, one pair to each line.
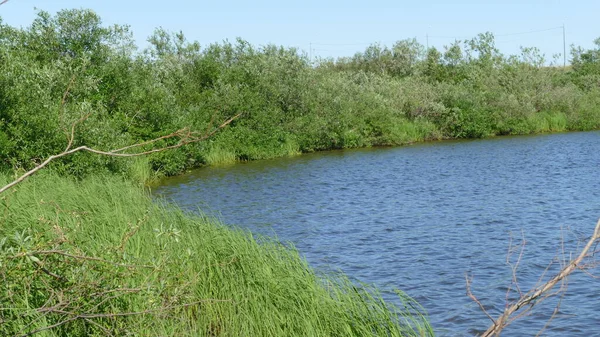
73, 126
186, 137
539, 294
184, 133
123, 314
106, 331
79, 257
561, 290
514, 267
471, 296
46, 271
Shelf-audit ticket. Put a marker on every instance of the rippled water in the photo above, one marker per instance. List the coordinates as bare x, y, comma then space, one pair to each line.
419, 218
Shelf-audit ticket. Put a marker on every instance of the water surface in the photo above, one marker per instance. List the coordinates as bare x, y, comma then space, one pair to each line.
418, 218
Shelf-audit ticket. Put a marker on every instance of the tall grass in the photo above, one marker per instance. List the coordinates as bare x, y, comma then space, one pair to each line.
220, 156
98, 257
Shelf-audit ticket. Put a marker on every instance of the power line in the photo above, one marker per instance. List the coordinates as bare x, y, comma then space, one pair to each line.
331, 47
564, 47
530, 32
497, 35
351, 44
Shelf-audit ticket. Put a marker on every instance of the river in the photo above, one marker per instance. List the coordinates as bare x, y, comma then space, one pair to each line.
419, 218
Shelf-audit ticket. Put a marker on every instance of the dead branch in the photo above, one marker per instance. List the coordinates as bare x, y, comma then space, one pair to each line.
514, 267
474, 298
554, 313
77, 257
185, 137
76, 316
40, 265
538, 294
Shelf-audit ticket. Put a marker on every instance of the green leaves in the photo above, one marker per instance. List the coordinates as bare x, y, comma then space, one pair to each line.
67, 65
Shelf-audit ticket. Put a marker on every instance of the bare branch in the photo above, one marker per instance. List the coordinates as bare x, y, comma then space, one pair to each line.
40, 265
78, 257
554, 312
114, 315
511, 249
185, 135
73, 126
471, 296
540, 293
49, 327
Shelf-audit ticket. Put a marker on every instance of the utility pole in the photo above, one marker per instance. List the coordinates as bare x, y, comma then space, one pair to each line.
310, 52
427, 39
564, 48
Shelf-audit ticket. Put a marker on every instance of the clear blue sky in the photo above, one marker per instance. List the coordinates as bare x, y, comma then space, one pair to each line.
341, 28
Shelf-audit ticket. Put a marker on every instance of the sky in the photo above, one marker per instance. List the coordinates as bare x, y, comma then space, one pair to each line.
342, 28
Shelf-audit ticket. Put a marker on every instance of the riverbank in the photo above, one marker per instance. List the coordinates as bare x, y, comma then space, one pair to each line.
84, 251
452, 206
98, 257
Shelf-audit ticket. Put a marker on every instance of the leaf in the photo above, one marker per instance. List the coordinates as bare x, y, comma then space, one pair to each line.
34, 259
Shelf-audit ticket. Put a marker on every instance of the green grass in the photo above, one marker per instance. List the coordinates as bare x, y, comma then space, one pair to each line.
220, 156
98, 257
548, 122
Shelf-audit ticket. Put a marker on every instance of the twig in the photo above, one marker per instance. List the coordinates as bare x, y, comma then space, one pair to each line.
511, 249
471, 296
73, 126
106, 331
554, 313
40, 265
49, 327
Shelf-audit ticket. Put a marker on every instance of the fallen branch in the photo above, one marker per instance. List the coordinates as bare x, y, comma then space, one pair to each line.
78, 257
535, 296
76, 316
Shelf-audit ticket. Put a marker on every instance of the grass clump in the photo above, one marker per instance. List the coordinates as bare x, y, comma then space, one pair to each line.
220, 156
98, 258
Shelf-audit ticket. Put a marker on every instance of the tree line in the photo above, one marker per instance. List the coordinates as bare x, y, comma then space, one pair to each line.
66, 65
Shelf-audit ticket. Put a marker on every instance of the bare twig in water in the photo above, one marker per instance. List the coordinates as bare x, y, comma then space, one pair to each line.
474, 298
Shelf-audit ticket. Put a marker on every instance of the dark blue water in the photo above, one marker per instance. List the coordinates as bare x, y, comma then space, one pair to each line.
419, 218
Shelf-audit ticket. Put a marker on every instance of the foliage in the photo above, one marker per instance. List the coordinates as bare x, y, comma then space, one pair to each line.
586, 66
382, 96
